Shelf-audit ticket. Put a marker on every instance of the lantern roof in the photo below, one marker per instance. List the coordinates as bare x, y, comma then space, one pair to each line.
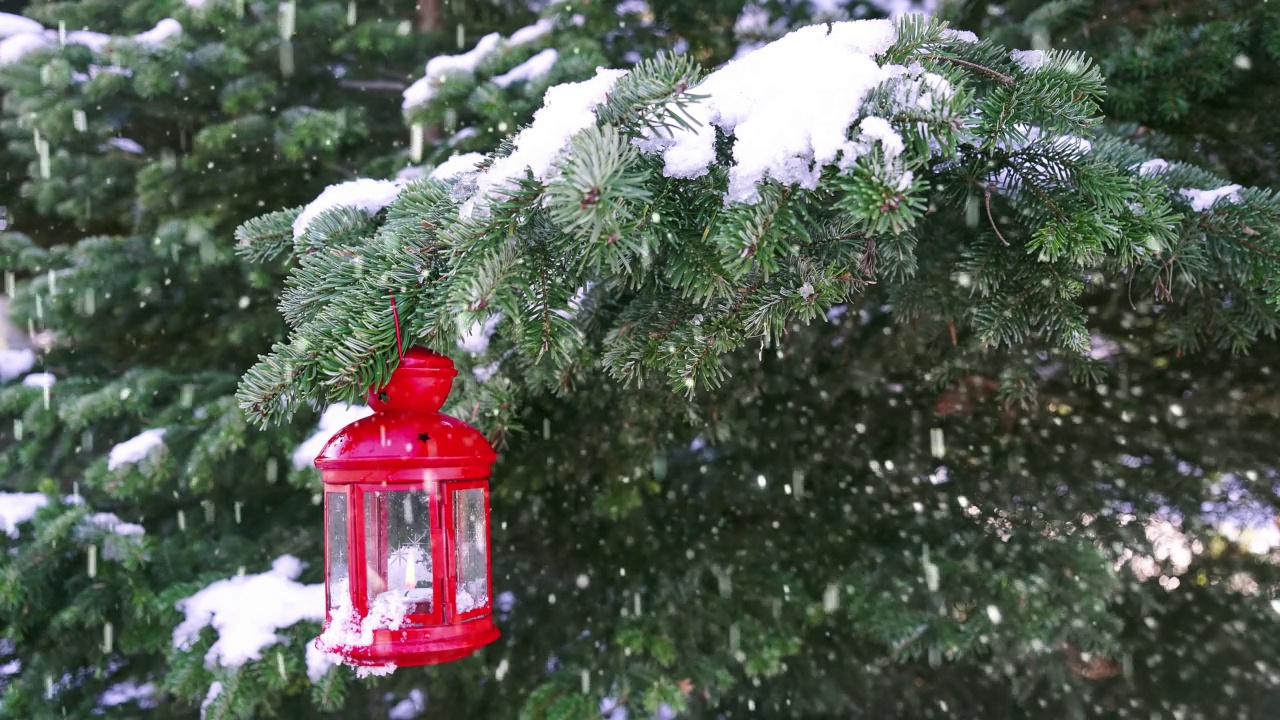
407, 429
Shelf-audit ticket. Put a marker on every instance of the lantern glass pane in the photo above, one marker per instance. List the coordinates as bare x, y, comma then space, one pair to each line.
471, 554
337, 576
398, 548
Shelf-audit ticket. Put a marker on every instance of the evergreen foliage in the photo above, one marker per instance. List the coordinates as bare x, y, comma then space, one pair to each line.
693, 275
145, 159
943, 435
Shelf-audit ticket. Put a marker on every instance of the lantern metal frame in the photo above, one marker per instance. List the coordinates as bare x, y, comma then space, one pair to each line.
408, 446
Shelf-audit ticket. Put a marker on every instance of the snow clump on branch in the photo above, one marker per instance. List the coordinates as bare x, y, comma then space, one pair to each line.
247, 611
442, 68
788, 122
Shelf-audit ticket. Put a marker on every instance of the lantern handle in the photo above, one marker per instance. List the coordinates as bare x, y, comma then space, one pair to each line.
395, 315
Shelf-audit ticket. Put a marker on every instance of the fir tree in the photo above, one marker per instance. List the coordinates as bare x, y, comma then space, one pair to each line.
147, 132
998, 239
952, 422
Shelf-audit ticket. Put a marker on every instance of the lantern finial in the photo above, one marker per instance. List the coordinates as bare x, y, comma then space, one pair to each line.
419, 384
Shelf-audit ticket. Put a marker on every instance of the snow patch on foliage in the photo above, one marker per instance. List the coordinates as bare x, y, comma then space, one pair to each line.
96, 70
960, 35
531, 32
365, 194
214, 691
111, 523
39, 380
462, 135
16, 362
13, 49
1153, 166
877, 129
1202, 200
484, 373
410, 707
754, 28
633, 7
755, 21
828, 8
787, 125
411, 173
117, 536
247, 611
443, 68
16, 46
125, 145
135, 449
897, 8
457, 165
163, 30
1007, 180
531, 69
567, 109
318, 663
153, 38
475, 339
11, 25
95, 41
1029, 60
128, 692
333, 419
17, 508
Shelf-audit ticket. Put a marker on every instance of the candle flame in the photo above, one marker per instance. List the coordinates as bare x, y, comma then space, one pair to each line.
410, 581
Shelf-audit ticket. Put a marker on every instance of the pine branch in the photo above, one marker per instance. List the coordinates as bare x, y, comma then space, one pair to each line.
996, 75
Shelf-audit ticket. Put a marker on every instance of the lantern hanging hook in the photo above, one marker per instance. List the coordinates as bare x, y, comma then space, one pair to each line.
395, 315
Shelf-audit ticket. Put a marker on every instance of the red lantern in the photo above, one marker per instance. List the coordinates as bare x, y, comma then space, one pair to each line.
406, 498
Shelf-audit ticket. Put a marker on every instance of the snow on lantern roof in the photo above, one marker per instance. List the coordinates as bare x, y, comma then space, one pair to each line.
407, 430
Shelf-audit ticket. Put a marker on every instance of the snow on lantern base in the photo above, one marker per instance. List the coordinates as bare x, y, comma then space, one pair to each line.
346, 632
392, 635
407, 528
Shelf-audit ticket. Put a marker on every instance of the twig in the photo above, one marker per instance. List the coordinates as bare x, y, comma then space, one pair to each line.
394, 85
993, 220
999, 76
1246, 243
1257, 249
